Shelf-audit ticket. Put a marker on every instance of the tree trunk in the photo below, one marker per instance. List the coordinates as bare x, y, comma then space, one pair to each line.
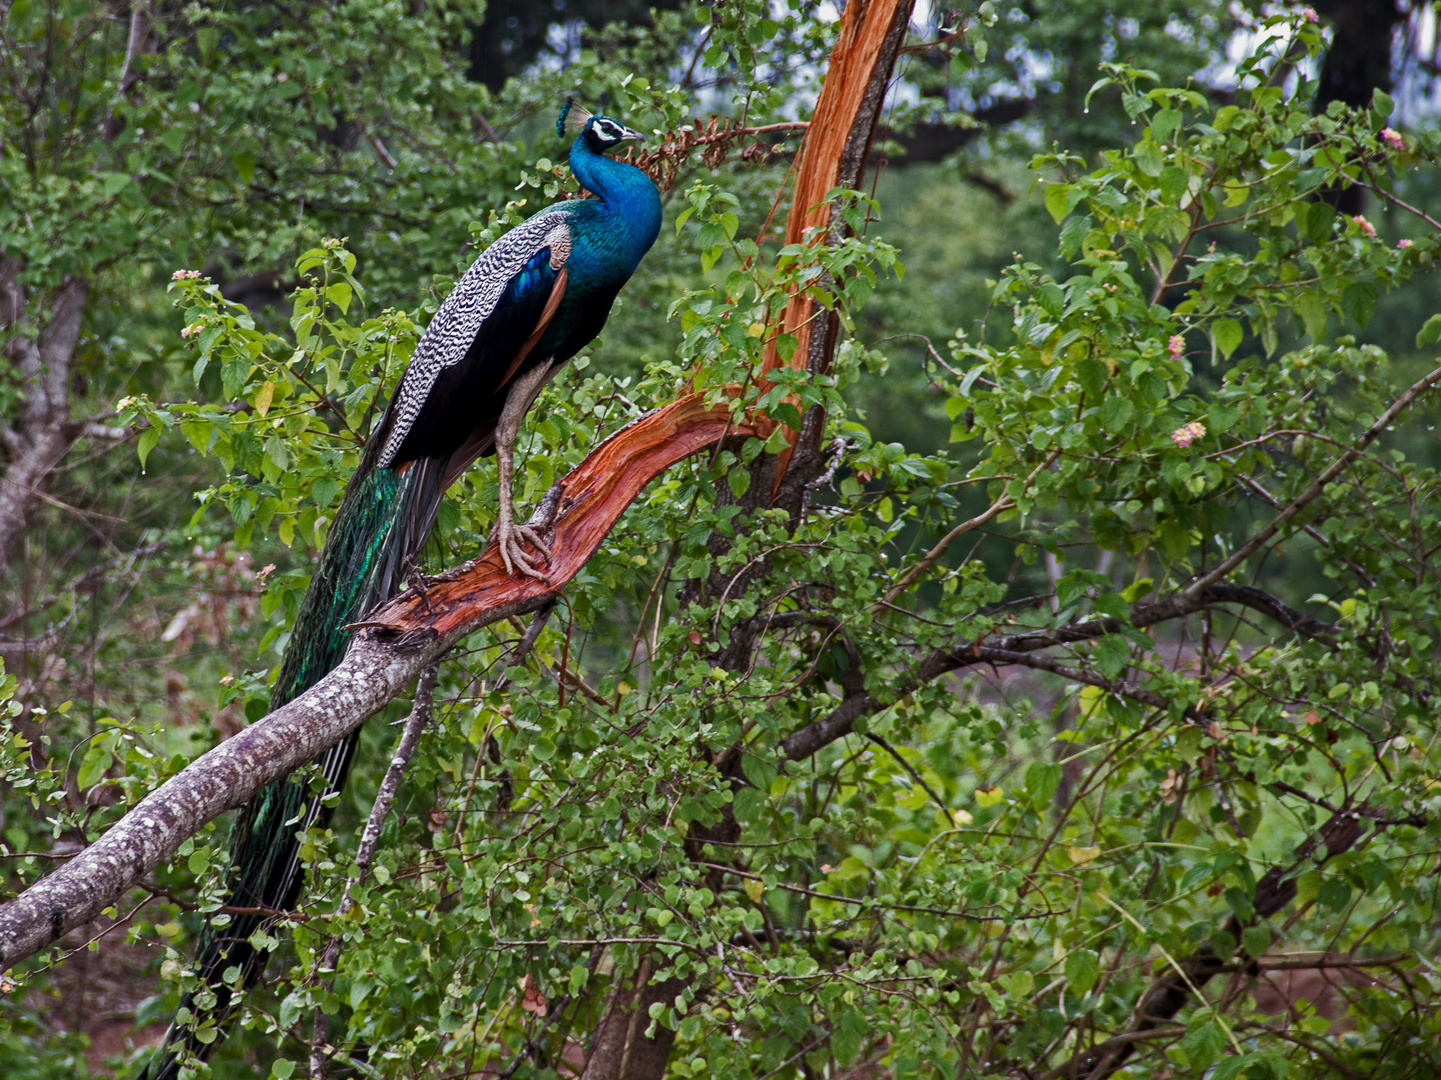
620, 1049
1357, 64
43, 430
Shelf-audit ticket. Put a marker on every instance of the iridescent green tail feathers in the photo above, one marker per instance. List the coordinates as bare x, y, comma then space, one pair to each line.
378, 532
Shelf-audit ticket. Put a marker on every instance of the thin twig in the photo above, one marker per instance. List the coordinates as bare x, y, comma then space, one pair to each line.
420, 713
888, 748
1317, 486
1005, 502
526, 642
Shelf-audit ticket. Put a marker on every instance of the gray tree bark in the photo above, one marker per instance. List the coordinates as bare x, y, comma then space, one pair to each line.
226, 778
43, 430
392, 646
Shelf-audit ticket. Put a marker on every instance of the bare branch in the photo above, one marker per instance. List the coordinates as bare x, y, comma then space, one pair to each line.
1013, 649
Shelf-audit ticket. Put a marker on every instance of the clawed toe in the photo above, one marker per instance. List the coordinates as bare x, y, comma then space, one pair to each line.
533, 535
508, 538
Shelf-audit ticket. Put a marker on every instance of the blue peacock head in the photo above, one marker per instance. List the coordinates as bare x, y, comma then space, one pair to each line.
601, 133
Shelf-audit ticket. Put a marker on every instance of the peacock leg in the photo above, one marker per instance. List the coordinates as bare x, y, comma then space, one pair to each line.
507, 535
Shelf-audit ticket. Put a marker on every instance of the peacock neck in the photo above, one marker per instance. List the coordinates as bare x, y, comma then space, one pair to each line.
628, 195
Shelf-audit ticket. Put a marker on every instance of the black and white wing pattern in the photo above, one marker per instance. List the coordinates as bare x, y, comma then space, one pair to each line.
477, 340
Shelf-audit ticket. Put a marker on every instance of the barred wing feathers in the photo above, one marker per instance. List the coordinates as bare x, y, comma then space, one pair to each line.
478, 341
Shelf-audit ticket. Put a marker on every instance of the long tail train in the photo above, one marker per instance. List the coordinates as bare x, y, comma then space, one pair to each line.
380, 528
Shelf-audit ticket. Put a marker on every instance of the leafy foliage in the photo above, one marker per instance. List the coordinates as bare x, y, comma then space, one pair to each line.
851, 796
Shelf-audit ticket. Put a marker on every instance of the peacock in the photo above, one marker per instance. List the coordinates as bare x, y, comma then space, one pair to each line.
531, 301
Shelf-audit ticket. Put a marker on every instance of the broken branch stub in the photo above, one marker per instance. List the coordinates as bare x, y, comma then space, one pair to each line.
833, 154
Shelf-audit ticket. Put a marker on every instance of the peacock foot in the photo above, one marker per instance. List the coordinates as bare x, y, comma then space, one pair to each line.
508, 536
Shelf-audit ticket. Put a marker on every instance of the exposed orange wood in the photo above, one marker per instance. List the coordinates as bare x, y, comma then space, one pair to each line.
859, 49
600, 488
596, 493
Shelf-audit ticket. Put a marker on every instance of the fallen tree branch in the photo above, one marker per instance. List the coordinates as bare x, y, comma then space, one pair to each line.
394, 644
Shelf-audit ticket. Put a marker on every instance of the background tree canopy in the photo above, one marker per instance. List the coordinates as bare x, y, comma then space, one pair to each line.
1067, 710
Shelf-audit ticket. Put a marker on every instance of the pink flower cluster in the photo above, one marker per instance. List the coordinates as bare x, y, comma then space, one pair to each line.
193, 328
1392, 138
1309, 14
1176, 346
1188, 433
1365, 226
1402, 245
181, 275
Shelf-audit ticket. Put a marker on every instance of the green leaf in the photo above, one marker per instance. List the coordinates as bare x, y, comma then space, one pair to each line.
1430, 332
244, 167
290, 1008
1116, 413
1056, 201
739, 481
111, 183
1256, 939
92, 768
748, 804
1203, 1044
1173, 184
339, 295
1381, 106
323, 491
148, 438
1227, 334
1165, 123
1320, 221
846, 1037
1042, 780
1358, 301
1313, 315
1149, 157
1112, 656
1083, 968
1221, 417
1334, 894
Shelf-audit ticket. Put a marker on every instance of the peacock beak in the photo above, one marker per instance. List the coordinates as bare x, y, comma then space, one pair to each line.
632, 136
